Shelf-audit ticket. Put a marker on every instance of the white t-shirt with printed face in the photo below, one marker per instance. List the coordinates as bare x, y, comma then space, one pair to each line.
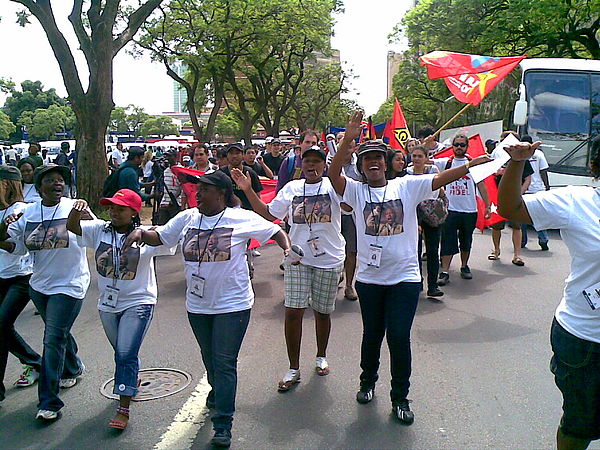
11, 264
134, 275
59, 262
575, 210
462, 193
538, 162
313, 207
387, 217
214, 249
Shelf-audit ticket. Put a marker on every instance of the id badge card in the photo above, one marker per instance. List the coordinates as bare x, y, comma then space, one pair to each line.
375, 255
26, 262
592, 295
315, 248
197, 287
111, 297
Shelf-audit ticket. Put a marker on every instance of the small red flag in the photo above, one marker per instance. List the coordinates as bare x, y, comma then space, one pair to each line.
469, 77
399, 130
476, 149
323, 138
371, 134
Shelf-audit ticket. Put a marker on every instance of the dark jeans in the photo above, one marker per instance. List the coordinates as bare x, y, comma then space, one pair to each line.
458, 227
220, 337
432, 248
14, 296
387, 310
166, 213
542, 235
60, 358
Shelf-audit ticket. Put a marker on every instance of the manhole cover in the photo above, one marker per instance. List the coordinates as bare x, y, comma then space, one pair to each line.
154, 383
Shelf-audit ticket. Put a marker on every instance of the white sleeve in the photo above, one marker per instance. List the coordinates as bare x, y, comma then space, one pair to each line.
420, 188
170, 233
16, 233
350, 196
279, 206
550, 209
255, 227
90, 232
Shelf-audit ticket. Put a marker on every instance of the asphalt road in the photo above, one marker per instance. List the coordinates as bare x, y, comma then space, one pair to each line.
480, 369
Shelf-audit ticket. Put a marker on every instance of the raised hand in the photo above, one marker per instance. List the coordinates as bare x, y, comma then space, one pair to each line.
11, 218
481, 159
354, 126
80, 205
522, 151
241, 180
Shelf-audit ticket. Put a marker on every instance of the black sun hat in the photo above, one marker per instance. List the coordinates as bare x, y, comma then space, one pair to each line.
40, 171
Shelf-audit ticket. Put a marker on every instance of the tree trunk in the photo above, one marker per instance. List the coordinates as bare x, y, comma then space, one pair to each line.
209, 131
246, 132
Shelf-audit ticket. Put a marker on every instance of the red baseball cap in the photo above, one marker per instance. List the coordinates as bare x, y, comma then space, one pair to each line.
124, 197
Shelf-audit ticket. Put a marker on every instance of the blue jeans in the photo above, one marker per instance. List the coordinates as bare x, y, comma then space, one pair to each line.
542, 235
60, 358
14, 296
126, 330
220, 337
387, 310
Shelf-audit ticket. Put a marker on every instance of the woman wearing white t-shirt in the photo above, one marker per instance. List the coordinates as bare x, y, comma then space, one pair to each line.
388, 277
15, 271
575, 333
30, 193
314, 210
127, 285
214, 237
59, 282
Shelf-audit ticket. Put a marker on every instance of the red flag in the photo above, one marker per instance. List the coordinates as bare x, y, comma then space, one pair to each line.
469, 77
387, 132
370, 134
399, 130
323, 138
476, 149
266, 195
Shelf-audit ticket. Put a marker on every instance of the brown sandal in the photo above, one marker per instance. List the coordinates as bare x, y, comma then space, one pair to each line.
518, 261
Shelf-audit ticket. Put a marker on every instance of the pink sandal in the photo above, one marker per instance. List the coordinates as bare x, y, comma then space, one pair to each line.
120, 424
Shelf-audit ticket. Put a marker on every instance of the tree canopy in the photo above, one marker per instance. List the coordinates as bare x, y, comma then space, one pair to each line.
6, 126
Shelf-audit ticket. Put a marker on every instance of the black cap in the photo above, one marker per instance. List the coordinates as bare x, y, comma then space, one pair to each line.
235, 146
170, 152
40, 171
317, 151
491, 142
32, 162
376, 145
65, 145
10, 173
217, 178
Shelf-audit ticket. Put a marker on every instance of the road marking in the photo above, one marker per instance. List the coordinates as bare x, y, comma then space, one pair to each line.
190, 418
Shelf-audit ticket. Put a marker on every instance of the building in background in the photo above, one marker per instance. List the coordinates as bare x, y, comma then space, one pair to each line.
179, 93
393, 64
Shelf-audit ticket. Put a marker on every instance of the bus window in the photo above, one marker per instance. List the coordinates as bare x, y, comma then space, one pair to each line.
559, 116
595, 105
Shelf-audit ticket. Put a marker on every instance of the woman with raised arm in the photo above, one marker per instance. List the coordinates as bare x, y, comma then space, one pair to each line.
59, 281
575, 331
15, 271
219, 294
314, 210
127, 285
388, 278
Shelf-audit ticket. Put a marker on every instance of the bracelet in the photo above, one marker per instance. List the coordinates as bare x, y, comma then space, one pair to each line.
468, 165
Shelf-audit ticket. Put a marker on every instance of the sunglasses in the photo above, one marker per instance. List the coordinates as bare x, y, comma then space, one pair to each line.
459, 144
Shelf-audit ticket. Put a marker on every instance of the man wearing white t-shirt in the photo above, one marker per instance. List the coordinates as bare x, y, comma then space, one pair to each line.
575, 332
539, 183
462, 213
117, 157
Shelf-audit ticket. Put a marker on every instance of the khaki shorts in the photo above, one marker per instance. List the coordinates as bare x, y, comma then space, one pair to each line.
308, 285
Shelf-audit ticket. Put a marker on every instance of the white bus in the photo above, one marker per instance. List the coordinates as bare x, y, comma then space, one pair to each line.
560, 106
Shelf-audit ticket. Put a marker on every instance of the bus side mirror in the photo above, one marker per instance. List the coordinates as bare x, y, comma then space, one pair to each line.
520, 112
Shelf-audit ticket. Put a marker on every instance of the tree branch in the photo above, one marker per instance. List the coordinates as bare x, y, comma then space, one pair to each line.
136, 20
77, 23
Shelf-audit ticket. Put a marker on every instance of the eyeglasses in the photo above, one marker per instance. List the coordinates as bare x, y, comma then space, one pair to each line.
459, 144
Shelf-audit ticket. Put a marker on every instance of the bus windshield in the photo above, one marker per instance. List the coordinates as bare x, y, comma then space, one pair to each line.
563, 106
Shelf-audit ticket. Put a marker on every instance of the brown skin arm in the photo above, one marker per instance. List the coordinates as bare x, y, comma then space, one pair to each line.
510, 199
74, 219
283, 240
448, 176
544, 176
140, 236
245, 184
344, 153
268, 171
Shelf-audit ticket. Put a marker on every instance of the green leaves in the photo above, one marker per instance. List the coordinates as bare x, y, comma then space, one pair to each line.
158, 126
6, 126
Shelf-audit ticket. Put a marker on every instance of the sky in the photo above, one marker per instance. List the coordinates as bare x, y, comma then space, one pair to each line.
360, 34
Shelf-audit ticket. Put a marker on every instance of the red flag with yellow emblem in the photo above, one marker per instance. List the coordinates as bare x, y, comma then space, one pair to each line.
399, 130
469, 77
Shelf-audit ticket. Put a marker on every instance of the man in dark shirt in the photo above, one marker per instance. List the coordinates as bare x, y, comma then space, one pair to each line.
256, 163
235, 157
129, 172
291, 168
273, 157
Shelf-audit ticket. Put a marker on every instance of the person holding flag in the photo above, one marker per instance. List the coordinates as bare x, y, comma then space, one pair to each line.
388, 278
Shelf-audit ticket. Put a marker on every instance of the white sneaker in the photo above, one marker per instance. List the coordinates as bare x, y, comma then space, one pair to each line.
255, 252
66, 383
44, 414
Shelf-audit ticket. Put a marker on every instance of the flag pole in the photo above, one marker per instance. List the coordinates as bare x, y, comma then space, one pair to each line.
452, 119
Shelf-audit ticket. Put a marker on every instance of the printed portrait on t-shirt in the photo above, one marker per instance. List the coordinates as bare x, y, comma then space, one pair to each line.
207, 245
47, 235
384, 219
460, 186
311, 209
127, 263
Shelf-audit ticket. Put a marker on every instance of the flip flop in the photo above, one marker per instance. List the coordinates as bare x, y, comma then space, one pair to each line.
518, 261
494, 256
